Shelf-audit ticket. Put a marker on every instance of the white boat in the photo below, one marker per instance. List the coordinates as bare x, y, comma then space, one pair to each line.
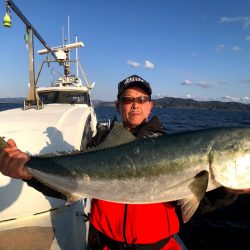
64, 121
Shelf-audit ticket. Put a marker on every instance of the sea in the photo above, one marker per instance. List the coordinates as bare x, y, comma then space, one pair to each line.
228, 227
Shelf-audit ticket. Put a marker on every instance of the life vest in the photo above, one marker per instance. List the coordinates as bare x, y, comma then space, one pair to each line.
134, 223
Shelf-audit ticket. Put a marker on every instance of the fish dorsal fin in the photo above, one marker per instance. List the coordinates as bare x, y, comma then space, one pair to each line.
118, 135
57, 153
198, 187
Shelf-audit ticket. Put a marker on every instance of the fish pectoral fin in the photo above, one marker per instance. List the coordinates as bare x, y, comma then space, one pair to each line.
198, 187
188, 207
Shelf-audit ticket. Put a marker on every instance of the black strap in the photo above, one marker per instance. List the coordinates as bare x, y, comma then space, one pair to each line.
98, 240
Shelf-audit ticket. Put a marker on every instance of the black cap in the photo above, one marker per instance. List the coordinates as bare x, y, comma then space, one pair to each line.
133, 80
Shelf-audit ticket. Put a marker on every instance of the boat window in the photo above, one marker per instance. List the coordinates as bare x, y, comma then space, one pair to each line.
64, 97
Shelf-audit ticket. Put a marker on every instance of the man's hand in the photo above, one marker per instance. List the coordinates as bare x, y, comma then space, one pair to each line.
12, 162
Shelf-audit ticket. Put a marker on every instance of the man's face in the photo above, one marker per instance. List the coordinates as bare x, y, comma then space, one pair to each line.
134, 113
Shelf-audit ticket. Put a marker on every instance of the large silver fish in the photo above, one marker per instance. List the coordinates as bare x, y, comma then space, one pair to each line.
180, 166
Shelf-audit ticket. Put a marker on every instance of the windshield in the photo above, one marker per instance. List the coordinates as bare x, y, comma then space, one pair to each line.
64, 97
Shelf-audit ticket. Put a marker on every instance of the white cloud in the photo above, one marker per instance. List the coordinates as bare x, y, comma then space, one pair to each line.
242, 99
133, 64
246, 81
203, 85
188, 96
228, 98
247, 38
157, 96
245, 99
244, 20
148, 64
186, 83
220, 47
236, 48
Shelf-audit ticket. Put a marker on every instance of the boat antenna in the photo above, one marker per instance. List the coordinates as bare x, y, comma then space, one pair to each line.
63, 38
67, 63
76, 58
68, 30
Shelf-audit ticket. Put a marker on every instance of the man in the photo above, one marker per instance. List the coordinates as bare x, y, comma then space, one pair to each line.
113, 225
128, 226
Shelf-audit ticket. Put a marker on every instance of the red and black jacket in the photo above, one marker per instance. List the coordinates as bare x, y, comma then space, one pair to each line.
134, 224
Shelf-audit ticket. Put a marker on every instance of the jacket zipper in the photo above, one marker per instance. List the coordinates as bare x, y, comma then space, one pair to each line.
124, 222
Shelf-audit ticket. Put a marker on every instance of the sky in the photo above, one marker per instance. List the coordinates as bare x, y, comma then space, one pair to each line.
197, 49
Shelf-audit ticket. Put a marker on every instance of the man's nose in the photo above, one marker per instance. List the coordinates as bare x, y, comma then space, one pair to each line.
135, 105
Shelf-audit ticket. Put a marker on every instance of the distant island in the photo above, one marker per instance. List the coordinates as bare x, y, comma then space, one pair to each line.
168, 102
12, 100
181, 103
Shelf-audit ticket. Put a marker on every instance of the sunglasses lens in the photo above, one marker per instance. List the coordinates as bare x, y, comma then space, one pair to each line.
139, 99
127, 99
142, 99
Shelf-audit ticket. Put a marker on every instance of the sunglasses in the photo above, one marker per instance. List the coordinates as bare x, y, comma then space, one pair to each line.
129, 99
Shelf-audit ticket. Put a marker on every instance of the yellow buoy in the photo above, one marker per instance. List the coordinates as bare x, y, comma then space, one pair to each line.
7, 20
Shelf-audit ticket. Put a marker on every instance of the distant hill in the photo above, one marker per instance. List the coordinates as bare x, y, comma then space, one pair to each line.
168, 102
180, 103
12, 100
97, 103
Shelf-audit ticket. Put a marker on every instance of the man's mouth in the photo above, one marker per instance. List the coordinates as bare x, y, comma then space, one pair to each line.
134, 113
